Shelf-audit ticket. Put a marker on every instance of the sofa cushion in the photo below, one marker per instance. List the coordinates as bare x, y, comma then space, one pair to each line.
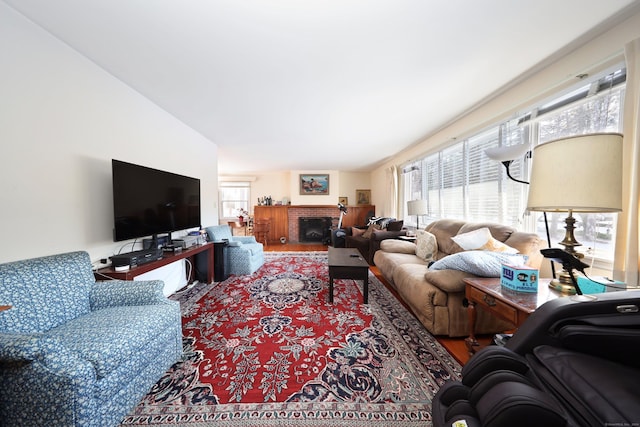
447, 280
426, 245
444, 229
479, 263
398, 246
388, 261
481, 239
109, 336
499, 231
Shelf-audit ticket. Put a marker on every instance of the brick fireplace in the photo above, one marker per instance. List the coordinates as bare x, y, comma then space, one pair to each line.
314, 229
328, 214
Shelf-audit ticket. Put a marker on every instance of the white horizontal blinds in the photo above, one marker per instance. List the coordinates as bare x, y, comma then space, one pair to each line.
433, 174
514, 194
483, 195
452, 193
233, 196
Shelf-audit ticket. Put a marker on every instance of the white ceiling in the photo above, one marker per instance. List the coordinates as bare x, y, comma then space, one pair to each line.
318, 84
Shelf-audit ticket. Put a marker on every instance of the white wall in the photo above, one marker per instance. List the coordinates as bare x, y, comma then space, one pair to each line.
352, 181
276, 185
62, 120
281, 185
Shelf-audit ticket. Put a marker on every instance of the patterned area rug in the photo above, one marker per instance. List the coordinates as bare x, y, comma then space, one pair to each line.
269, 350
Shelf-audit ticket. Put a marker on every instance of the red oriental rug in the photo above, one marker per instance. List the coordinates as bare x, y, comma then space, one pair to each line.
268, 349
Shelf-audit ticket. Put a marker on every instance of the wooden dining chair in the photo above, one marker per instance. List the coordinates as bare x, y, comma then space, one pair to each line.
261, 228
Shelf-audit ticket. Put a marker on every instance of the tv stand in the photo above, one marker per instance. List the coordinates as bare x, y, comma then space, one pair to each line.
205, 249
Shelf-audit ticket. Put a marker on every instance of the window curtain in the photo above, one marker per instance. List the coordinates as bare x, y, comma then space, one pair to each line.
627, 259
392, 191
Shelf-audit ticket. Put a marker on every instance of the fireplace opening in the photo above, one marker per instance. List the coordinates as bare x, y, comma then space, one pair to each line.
315, 229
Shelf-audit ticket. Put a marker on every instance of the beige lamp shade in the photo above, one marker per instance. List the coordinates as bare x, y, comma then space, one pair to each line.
418, 207
581, 174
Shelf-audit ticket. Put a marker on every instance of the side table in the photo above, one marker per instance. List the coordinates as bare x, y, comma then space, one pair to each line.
514, 307
220, 260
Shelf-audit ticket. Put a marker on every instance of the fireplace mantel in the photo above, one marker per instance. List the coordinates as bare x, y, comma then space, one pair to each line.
284, 218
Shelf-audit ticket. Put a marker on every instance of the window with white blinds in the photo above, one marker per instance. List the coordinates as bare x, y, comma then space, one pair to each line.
462, 182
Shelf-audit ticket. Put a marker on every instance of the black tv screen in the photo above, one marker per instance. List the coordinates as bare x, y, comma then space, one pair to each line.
148, 202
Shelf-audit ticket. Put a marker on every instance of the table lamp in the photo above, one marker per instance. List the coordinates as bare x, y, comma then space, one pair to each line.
576, 174
418, 208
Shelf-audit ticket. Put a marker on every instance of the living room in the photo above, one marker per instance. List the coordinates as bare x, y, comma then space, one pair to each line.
65, 117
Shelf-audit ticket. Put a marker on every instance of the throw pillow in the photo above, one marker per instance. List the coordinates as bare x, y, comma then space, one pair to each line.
383, 222
395, 225
481, 239
426, 245
478, 263
367, 234
355, 232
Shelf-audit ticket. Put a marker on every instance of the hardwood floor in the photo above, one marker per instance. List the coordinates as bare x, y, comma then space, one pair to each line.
455, 346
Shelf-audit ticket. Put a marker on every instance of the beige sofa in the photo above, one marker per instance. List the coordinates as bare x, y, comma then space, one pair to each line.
436, 297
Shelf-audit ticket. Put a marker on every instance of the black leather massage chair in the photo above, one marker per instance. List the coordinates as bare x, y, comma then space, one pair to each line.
570, 364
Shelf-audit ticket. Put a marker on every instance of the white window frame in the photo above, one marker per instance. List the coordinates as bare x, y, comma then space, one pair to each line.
230, 204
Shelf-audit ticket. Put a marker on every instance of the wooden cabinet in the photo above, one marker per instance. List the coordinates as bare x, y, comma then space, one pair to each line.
279, 219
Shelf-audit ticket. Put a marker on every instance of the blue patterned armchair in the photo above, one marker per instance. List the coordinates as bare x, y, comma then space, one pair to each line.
244, 254
76, 352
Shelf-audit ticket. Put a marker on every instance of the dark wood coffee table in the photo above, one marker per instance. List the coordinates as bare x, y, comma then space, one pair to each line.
348, 263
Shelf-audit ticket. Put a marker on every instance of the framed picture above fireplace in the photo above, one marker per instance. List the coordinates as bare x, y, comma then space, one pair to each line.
316, 184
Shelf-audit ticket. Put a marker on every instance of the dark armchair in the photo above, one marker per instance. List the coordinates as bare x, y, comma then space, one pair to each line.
367, 239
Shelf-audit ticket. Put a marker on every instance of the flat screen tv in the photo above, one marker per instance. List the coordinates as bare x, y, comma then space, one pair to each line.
149, 202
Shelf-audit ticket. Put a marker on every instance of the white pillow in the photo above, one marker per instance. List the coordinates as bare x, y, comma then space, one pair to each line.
479, 263
481, 239
426, 245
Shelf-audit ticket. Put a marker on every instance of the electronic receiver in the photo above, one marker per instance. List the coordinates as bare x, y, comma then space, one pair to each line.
136, 258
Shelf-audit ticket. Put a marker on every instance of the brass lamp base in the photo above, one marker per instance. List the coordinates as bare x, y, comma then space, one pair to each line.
563, 288
564, 282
